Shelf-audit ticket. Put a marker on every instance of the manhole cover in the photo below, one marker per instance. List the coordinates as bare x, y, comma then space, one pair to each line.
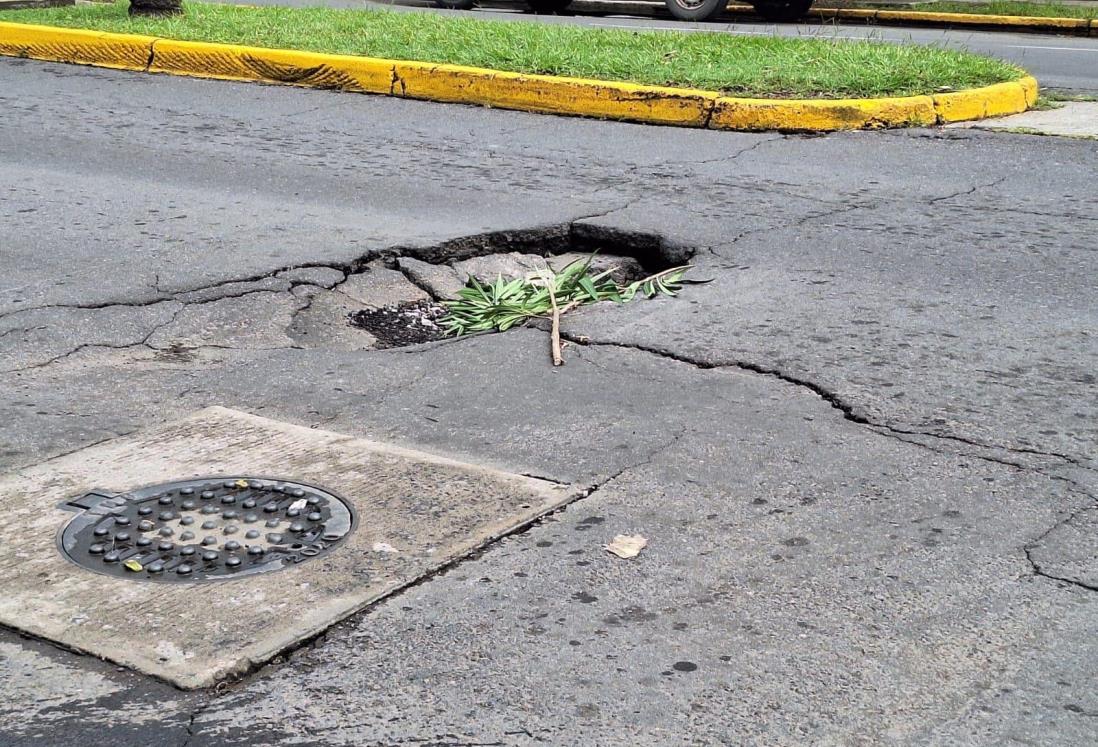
212, 528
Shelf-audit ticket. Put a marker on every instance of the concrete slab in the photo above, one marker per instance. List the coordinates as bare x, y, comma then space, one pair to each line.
416, 512
379, 286
1073, 119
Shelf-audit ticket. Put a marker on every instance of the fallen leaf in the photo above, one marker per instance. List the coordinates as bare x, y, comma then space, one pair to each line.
627, 545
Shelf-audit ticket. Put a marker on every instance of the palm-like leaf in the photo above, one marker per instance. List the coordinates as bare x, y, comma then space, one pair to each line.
502, 304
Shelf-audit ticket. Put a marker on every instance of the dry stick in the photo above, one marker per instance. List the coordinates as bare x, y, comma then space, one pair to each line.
558, 359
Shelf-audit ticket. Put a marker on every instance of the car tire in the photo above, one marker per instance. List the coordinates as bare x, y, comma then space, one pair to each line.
547, 7
695, 10
456, 4
782, 11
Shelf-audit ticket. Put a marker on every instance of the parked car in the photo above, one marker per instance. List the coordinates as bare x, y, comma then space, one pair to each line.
778, 11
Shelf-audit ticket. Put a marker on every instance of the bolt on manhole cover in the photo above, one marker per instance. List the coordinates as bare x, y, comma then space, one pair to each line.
212, 528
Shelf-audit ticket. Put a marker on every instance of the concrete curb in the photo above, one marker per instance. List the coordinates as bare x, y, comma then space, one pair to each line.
536, 93
1081, 26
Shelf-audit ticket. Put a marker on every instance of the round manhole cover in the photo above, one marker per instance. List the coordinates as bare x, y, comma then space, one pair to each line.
207, 529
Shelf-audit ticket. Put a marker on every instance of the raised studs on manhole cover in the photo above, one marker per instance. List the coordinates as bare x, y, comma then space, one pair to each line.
92, 540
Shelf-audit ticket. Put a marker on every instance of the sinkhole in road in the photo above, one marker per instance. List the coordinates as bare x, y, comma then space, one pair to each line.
200, 604
415, 318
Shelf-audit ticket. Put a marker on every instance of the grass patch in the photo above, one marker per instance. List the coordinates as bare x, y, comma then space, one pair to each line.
747, 66
1062, 96
1012, 8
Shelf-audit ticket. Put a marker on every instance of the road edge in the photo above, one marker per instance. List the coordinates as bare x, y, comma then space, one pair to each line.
1035, 24
681, 107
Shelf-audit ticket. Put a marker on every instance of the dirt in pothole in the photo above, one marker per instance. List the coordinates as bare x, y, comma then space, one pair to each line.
406, 324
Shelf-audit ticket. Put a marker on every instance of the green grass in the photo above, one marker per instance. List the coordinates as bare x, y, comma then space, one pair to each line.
750, 66
1063, 96
1012, 8
1044, 104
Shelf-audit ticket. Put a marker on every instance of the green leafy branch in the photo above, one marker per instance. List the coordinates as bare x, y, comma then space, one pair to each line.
548, 294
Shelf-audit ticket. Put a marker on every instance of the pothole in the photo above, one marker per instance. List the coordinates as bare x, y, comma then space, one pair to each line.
414, 320
388, 298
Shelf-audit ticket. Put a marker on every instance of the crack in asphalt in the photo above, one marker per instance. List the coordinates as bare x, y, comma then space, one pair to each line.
737, 154
453, 563
183, 305
194, 715
838, 209
971, 190
1033, 544
852, 414
1038, 571
143, 342
539, 239
486, 244
179, 296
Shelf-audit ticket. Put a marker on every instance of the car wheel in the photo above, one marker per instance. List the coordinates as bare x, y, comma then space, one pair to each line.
695, 10
456, 4
782, 11
548, 6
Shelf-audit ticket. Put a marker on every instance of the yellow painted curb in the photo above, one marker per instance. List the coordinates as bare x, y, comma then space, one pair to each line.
992, 101
834, 114
974, 19
309, 69
556, 95
538, 93
1014, 23
432, 82
122, 51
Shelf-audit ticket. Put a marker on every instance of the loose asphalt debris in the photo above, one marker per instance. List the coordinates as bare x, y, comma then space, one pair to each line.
405, 324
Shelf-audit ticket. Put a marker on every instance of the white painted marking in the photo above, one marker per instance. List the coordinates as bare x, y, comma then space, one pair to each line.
1058, 49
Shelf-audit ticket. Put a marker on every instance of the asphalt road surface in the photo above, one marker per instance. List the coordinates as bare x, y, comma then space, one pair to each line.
865, 456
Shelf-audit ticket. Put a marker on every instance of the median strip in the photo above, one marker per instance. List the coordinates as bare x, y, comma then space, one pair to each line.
1080, 26
1004, 15
798, 92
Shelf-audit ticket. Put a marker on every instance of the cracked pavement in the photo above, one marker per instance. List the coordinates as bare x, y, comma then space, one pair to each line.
864, 455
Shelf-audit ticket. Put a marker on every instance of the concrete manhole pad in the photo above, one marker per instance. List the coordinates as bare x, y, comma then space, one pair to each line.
415, 512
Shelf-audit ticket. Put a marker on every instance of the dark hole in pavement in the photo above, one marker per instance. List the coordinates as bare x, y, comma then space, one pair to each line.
405, 324
631, 257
